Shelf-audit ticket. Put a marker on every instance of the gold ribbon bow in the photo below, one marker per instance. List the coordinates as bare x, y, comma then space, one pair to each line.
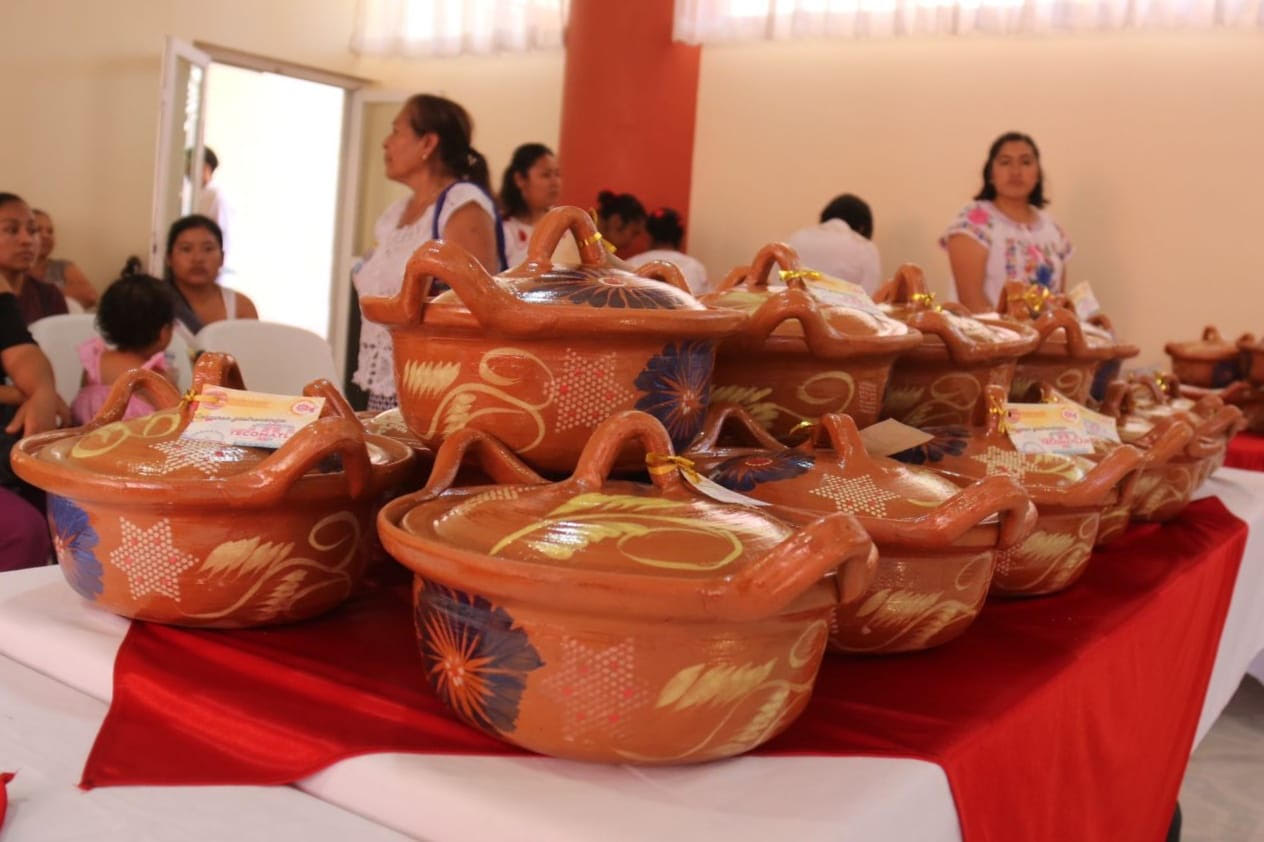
1161, 380
596, 237
1035, 297
661, 463
188, 398
788, 275
1002, 415
927, 300
804, 426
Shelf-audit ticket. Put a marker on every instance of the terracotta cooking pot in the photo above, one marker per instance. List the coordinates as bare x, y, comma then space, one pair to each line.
615, 621
1252, 358
1243, 394
805, 349
1070, 352
1070, 493
1211, 362
541, 354
940, 381
937, 543
155, 527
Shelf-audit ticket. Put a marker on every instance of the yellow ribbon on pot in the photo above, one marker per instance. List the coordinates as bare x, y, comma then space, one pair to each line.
662, 463
1002, 415
927, 300
596, 236
788, 275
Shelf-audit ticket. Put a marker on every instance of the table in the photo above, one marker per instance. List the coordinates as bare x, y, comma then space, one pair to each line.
43, 624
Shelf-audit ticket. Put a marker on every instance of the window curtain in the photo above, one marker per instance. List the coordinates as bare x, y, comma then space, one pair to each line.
420, 28
719, 21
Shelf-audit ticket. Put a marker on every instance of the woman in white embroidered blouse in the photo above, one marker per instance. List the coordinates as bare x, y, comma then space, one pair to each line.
429, 151
1004, 235
531, 185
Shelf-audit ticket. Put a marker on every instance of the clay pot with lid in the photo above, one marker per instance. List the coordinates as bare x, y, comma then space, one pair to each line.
1070, 493
1251, 358
539, 355
616, 621
937, 542
940, 381
804, 350
1076, 357
1210, 362
156, 527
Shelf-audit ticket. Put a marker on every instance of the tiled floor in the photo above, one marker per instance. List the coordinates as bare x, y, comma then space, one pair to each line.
1222, 799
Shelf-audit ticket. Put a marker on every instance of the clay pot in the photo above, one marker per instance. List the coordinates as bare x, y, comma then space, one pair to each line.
937, 543
939, 382
805, 350
615, 621
1076, 358
1211, 362
1070, 493
1252, 358
539, 355
155, 527
1242, 394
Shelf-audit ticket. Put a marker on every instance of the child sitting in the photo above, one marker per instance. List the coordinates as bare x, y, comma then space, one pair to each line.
135, 316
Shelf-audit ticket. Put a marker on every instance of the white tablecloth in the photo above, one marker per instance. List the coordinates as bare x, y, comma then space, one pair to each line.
45, 626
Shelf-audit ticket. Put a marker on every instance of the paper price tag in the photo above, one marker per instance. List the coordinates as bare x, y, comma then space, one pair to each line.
1084, 301
839, 293
715, 491
1095, 424
249, 419
890, 436
1047, 428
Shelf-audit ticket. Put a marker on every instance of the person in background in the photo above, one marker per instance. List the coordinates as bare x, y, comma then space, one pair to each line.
621, 220
195, 253
136, 316
532, 184
841, 245
1003, 234
63, 274
429, 151
666, 235
19, 246
213, 204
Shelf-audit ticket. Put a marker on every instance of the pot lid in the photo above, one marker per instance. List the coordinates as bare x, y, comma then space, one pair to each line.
590, 538
811, 307
1061, 332
950, 327
1210, 348
1248, 342
542, 299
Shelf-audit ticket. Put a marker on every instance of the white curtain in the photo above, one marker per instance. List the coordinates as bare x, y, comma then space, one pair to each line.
718, 21
417, 28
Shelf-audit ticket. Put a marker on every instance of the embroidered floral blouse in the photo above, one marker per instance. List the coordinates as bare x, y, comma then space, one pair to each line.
1035, 253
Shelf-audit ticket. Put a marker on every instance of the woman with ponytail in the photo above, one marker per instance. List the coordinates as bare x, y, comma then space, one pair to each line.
429, 151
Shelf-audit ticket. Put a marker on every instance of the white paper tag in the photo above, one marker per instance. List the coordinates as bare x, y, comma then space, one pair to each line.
1084, 301
1095, 424
891, 436
1047, 428
839, 293
715, 491
249, 419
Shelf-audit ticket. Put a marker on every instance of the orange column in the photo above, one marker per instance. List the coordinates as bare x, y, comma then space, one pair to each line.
628, 104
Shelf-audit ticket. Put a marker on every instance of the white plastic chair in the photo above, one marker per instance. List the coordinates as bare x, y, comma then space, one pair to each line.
73, 307
59, 338
273, 357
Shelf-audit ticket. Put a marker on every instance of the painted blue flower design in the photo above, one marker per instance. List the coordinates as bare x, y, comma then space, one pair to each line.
476, 659
1223, 373
947, 441
75, 541
676, 388
742, 473
601, 289
1106, 373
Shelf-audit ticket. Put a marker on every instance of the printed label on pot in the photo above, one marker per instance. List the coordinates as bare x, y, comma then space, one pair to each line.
1047, 428
1084, 301
249, 419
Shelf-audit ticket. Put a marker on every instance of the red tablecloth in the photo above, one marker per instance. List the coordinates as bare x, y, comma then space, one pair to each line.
1246, 450
1069, 717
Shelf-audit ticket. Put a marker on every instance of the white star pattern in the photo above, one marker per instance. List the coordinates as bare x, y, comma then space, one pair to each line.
150, 560
587, 391
206, 456
855, 494
1000, 461
596, 688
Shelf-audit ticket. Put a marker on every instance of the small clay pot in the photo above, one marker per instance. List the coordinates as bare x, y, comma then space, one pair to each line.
1251, 359
1077, 358
939, 382
539, 355
1210, 362
1070, 493
156, 527
614, 621
937, 543
804, 350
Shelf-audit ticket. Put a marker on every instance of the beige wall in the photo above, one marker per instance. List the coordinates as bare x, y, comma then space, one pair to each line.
1152, 145
81, 92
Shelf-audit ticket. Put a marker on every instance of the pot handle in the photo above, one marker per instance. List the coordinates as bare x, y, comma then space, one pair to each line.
836, 543
550, 230
1119, 400
794, 303
216, 368
161, 392
842, 435
496, 460
757, 273
719, 416
1103, 321
269, 482
491, 304
665, 272
607, 440
1226, 423
1170, 437
1105, 475
1210, 334
906, 286
336, 405
1060, 318
994, 495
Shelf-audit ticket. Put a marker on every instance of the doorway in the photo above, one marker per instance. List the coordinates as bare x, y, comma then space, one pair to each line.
279, 142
